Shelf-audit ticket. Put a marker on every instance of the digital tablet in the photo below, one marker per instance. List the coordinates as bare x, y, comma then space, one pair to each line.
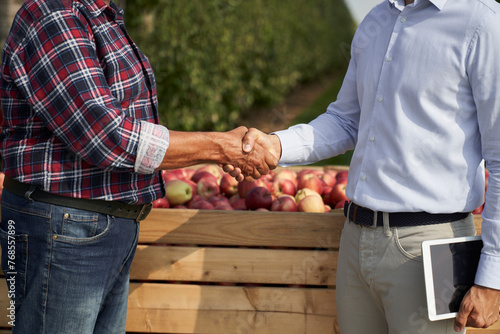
450, 267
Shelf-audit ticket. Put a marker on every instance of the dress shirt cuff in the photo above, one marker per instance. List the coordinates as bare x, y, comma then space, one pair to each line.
153, 144
487, 272
291, 155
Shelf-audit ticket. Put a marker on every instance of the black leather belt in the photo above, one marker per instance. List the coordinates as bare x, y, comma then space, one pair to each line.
366, 217
112, 208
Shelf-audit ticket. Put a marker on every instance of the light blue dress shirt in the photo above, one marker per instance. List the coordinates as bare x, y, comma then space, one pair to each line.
420, 106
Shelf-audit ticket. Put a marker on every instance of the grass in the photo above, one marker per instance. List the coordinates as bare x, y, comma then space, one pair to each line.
317, 108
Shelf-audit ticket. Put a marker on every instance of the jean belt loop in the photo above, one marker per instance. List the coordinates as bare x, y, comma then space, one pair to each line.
30, 191
348, 211
375, 219
387, 227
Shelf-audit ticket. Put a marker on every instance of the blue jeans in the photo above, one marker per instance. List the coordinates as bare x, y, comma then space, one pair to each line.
67, 270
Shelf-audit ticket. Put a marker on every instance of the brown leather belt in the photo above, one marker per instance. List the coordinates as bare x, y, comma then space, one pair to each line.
137, 212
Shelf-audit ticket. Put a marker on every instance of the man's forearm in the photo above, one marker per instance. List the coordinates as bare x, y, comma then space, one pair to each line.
190, 148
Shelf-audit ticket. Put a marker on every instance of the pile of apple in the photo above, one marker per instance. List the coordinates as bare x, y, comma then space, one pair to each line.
208, 187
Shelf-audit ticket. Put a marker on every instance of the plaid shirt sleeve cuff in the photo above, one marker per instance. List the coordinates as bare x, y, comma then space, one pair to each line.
153, 144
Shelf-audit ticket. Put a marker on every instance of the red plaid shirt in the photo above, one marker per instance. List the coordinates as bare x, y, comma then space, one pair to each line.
79, 104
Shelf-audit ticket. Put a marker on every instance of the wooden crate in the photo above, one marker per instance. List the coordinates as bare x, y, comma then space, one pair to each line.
227, 272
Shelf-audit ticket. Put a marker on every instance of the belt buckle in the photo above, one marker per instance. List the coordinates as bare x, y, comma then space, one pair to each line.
145, 210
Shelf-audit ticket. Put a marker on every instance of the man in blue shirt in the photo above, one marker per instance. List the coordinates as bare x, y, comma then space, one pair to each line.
419, 105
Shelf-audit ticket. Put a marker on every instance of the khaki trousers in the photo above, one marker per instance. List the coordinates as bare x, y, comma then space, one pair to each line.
380, 278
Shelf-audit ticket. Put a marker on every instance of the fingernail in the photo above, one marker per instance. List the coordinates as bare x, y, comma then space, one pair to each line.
247, 147
457, 329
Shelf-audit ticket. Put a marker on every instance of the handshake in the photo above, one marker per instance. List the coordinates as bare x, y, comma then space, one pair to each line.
254, 155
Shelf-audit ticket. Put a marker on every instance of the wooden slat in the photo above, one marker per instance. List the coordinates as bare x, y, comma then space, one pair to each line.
478, 222
241, 228
266, 266
495, 329
4, 303
319, 301
230, 322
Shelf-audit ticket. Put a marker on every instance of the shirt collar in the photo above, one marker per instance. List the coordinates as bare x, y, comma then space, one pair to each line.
97, 7
400, 4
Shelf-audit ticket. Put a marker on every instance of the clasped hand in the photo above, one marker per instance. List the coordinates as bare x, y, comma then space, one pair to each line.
258, 154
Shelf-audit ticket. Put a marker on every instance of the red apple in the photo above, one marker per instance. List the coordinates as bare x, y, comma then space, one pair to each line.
193, 185
178, 192
258, 197
244, 187
338, 192
223, 206
311, 203
239, 204
181, 174
228, 185
168, 175
341, 175
478, 210
193, 200
286, 174
207, 187
339, 205
328, 179
331, 172
283, 186
306, 192
198, 175
284, 203
326, 195
234, 198
216, 199
307, 171
212, 169
311, 181
201, 205
161, 203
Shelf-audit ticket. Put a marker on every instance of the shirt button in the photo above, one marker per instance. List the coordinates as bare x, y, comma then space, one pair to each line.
363, 178
372, 139
380, 99
403, 20
66, 215
389, 58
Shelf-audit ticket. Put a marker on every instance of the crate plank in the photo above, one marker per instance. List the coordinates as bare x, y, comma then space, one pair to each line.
239, 228
266, 266
495, 329
227, 322
226, 298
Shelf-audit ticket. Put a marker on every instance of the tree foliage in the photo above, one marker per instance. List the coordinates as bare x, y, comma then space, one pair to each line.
215, 59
